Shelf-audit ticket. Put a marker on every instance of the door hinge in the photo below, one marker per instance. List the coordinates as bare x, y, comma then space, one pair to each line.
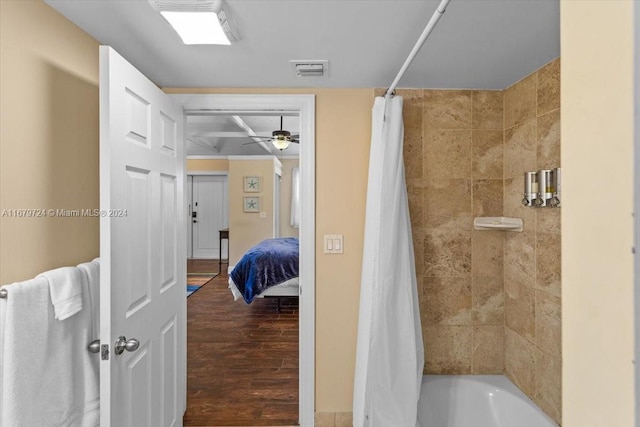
104, 353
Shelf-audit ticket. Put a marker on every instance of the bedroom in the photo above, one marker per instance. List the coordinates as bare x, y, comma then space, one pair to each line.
50, 70
220, 337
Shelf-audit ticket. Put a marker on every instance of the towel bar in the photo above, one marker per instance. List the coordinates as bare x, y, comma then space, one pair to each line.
3, 293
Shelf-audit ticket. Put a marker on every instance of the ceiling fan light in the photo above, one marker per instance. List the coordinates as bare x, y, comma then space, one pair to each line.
281, 143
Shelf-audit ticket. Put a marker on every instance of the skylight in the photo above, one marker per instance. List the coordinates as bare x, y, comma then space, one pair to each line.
197, 27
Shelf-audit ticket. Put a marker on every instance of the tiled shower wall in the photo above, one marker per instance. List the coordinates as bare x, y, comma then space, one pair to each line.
489, 301
453, 156
532, 259
461, 269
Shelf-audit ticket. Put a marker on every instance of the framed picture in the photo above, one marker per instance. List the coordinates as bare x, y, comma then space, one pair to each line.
251, 184
251, 204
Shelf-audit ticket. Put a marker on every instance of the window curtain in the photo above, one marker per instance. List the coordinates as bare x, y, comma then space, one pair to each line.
389, 352
295, 197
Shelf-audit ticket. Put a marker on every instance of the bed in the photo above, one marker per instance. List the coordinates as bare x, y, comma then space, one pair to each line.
269, 269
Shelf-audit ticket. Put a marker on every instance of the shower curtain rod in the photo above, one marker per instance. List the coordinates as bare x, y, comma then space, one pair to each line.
442, 7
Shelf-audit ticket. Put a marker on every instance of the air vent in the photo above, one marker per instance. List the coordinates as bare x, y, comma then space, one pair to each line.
310, 68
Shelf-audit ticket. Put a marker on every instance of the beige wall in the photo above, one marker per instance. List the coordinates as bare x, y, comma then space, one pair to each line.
597, 154
341, 182
532, 258
48, 139
207, 165
247, 228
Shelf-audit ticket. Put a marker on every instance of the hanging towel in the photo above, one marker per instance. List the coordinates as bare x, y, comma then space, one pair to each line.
65, 286
91, 271
49, 378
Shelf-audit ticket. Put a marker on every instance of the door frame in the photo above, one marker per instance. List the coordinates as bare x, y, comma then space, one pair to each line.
189, 230
304, 105
636, 192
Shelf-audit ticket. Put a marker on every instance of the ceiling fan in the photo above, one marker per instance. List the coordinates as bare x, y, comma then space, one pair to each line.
279, 138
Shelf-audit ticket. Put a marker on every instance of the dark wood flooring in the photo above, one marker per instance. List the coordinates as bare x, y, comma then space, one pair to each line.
242, 360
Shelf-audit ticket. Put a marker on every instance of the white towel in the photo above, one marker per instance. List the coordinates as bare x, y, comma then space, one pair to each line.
91, 271
48, 376
65, 286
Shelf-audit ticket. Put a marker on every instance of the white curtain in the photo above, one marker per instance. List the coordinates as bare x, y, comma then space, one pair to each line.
295, 197
389, 354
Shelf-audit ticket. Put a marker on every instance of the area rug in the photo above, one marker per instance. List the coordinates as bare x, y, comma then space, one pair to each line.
197, 280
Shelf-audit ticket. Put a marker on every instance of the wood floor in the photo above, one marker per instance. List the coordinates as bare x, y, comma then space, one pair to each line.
242, 360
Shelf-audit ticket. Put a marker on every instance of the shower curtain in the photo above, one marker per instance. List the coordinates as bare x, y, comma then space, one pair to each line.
389, 353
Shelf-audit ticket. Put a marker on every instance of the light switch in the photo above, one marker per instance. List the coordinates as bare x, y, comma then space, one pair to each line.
333, 244
263, 214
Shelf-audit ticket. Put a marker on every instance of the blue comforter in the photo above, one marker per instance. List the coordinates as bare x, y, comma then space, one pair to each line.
269, 263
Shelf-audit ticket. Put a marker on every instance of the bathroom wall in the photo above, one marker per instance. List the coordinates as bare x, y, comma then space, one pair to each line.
532, 258
48, 140
453, 160
599, 132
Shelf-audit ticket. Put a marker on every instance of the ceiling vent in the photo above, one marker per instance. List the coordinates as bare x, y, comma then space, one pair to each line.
310, 68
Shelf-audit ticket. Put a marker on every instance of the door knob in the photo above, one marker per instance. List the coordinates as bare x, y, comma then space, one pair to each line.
123, 344
94, 347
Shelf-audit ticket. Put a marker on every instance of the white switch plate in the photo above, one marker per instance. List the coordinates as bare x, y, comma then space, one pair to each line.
333, 244
263, 214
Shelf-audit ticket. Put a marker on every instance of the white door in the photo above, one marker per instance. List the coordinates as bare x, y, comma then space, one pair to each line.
210, 205
142, 250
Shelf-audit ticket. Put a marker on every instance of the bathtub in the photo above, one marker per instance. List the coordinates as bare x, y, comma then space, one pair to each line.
476, 401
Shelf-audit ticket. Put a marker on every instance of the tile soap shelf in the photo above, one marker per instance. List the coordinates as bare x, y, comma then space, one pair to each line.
498, 223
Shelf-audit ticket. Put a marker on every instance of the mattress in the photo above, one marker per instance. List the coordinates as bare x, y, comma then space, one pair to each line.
290, 288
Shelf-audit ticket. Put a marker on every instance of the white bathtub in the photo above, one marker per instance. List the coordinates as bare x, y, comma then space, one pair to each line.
476, 401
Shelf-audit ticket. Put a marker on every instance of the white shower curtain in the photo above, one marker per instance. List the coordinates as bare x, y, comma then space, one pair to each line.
389, 354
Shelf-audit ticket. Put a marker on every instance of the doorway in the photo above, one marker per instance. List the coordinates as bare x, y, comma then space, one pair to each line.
207, 201
304, 106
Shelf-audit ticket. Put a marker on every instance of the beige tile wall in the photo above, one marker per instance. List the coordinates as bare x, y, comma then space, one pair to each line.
454, 168
532, 258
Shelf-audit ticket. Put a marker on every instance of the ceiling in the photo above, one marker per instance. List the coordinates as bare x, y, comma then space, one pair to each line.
227, 135
478, 44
